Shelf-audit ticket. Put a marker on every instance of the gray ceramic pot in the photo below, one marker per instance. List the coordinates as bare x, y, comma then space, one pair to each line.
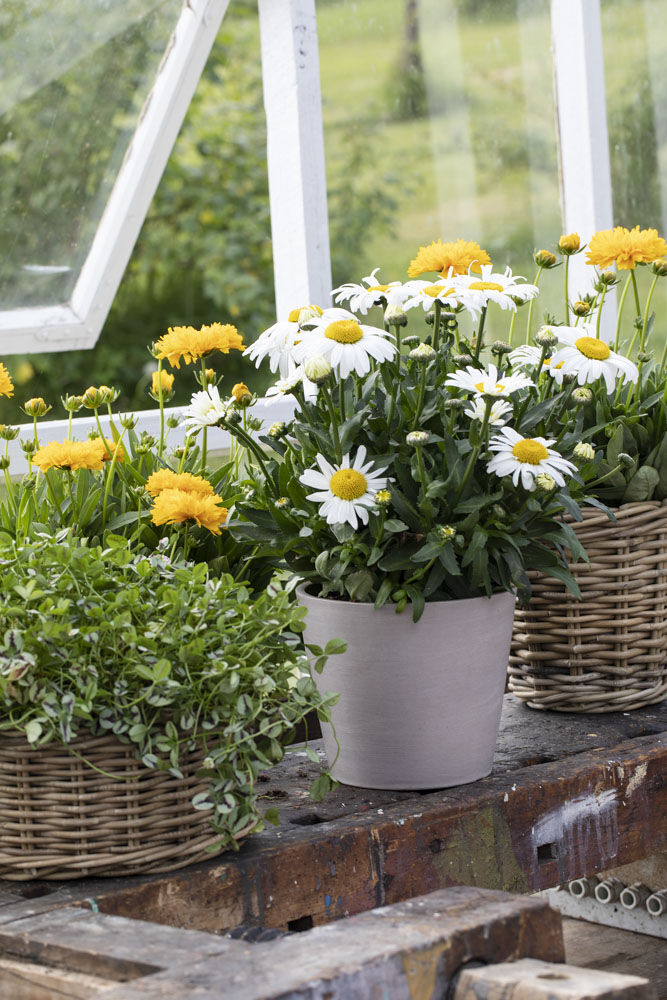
419, 703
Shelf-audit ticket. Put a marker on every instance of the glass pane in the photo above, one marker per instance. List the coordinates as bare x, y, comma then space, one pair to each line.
74, 76
635, 53
439, 123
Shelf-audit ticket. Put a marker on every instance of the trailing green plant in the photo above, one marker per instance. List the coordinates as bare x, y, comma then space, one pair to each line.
156, 651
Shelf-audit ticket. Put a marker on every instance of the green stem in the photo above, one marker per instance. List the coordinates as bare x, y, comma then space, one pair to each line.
642, 341
252, 446
437, 309
475, 452
109, 477
480, 334
334, 423
638, 308
53, 496
204, 437
567, 294
599, 316
160, 396
420, 396
620, 312
529, 321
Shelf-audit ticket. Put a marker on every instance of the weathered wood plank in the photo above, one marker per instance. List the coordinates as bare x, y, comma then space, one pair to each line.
536, 828
531, 980
28, 981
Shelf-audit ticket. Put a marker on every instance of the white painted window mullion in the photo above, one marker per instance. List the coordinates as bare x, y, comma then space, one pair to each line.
295, 154
585, 172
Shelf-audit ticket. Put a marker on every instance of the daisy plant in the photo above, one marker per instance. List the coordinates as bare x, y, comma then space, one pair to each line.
415, 468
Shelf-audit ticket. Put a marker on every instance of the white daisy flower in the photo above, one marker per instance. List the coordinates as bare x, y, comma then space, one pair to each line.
348, 345
278, 341
345, 492
205, 409
446, 291
481, 382
527, 356
590, 358
502, 289
499, 410
526, 459
371, 293
283, 387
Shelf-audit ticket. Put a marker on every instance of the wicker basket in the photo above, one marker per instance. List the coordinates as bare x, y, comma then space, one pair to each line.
607, 652
61, 819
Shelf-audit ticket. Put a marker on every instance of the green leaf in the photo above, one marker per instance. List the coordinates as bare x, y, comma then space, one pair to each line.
359, 584
393, 525
384, 592
272, 816
615, 447
335, 646
33, 731
320, 787
642, 485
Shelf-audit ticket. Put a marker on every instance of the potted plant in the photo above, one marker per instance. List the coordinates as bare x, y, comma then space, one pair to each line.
412, 492
140, 698
606, 652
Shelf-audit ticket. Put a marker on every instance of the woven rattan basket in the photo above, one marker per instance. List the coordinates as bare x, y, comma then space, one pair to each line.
60, 818
607, 652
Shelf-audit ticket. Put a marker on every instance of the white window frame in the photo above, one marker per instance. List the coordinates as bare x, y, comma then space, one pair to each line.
77, 324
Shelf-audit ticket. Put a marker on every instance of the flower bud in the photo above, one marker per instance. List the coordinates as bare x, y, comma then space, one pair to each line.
179, 452
411, 339
659, 267
281, 503
128, 421
318, 369
36, 407
625, 461
382, 498
545, 258
454, 404
161, 380
4, 462
582, 395
172, 421
28, 447
71, 403
423, 352
93, 398
109, 394
29, 481
584, 451
608, 278
209, 375
546, 337
242, 394
569, 244
545, 483
461, 360
581, 308
395, 316
499, 347
233, 417
417, 438
8, 433
277, 429
446, 532
643, 357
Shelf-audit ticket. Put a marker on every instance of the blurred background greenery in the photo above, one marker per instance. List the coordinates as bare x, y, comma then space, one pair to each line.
439, 122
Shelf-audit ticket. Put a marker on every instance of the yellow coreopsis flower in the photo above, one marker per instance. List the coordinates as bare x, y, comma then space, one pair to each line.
625, 247
6, 384
165, 479
569, 243
241, 393
109, 450
187, 344
69, 455
178, 506
161, 380
461, 256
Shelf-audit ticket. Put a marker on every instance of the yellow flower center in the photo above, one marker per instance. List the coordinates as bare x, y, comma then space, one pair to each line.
294, 315
530, 451
486, 286
500, 387
348, 484
435, 290
593, 348
378, 288
344, 331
